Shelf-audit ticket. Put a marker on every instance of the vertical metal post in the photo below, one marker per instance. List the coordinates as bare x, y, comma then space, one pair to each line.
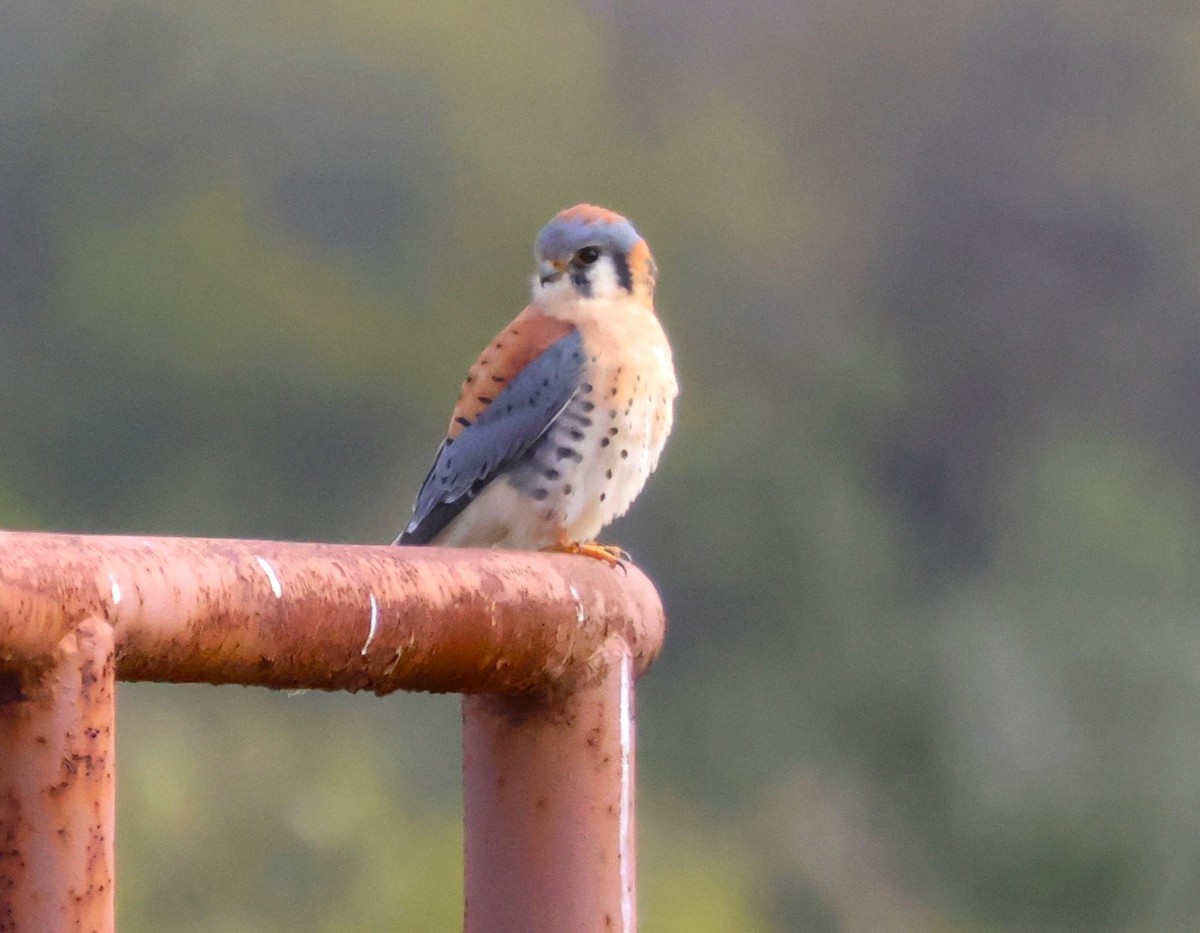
549, 810
57, 788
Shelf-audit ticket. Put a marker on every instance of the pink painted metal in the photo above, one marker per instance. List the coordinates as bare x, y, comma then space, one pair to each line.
555, 642
548, 801
57, 787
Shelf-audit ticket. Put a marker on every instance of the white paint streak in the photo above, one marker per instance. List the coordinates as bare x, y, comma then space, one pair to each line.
580, 615
374, 626
116, 590
400, 650
625, 843
270, 572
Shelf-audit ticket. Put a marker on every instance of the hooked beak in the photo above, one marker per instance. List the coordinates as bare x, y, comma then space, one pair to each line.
551, 270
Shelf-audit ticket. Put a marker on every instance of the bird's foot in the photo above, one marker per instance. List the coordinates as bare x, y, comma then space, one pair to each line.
610, 554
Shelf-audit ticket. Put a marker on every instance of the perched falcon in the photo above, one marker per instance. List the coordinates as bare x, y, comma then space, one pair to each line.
563, 417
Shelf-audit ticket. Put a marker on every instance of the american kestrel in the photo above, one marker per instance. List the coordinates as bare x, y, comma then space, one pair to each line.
562, 418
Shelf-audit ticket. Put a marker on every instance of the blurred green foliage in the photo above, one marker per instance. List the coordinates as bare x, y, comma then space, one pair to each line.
927, 532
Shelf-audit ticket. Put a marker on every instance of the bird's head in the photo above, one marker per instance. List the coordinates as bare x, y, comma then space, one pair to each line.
588, 252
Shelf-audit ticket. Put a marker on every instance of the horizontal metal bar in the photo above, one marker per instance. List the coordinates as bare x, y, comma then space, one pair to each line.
330, 617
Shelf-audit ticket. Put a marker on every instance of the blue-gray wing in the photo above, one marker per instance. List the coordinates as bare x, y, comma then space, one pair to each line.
502, 433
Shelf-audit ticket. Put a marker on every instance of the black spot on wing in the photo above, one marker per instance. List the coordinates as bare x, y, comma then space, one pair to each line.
502, 433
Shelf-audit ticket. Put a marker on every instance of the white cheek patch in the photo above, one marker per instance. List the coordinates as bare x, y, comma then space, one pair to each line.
602, 283
603, 278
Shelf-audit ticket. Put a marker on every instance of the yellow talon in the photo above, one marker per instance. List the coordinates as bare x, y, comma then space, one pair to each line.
610, 554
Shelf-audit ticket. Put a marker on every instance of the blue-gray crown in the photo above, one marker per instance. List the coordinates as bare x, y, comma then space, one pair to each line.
585, 225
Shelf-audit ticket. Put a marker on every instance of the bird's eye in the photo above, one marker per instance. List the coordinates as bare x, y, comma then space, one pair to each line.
587, 255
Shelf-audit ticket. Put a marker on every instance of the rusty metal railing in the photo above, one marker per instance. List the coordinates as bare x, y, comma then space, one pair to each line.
545, 647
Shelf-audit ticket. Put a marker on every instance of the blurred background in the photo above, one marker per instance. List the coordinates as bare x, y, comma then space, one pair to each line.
927, 531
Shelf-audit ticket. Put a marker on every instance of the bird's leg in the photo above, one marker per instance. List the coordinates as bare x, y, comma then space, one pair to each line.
610, 554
